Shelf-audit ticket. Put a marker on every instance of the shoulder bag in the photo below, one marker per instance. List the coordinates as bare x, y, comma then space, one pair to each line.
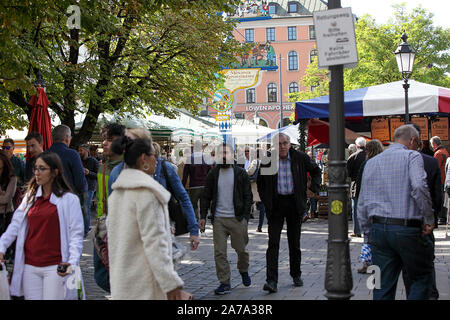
176, 213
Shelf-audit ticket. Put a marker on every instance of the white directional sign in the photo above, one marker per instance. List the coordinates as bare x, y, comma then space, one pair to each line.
335, 32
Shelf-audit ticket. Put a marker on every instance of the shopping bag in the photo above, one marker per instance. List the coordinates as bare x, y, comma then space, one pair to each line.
4, 285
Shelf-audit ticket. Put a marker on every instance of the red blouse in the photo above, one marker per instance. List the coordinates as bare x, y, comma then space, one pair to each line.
43, 242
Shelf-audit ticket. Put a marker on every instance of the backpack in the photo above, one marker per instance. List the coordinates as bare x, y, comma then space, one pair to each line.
254, 176
17, 198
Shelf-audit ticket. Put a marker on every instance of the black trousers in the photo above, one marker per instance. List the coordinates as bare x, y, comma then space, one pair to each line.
284, 208
407, 280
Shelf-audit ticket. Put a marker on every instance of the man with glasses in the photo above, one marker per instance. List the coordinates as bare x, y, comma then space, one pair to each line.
284, 196
109, 133
34, 147
17, 163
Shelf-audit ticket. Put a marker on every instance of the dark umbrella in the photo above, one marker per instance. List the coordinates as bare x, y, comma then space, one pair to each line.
40, 118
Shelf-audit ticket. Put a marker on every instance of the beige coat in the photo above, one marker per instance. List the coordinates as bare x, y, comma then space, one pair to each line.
251, 170
139, 239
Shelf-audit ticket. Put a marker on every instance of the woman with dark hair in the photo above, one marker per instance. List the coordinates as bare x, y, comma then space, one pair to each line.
8, 184
373, 148
48, 226
139, 238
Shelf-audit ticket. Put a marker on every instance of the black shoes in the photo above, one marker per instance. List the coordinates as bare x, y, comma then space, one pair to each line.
298, 282
246, 281
270, 286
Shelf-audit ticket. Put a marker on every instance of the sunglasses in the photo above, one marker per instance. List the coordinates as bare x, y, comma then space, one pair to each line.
6, 147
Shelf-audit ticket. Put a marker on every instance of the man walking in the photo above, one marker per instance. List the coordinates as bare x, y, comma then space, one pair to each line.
228, 193
354, 163
73, 168
196, 170
441, 155
90, 166
17, 163
433, 172
34, 143
110, 132
394, 207
284, 196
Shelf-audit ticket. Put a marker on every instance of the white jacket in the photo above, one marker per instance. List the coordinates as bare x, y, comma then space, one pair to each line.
139, 239
71, 233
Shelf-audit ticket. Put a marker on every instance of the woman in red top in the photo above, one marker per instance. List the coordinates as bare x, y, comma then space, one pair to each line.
49, 227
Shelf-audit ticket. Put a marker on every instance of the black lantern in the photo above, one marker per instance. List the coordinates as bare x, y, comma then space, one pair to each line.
405, 60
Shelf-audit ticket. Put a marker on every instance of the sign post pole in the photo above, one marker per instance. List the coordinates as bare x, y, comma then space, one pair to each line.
337, 46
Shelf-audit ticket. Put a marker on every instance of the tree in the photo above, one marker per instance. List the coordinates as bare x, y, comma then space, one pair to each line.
131, 56
376, 45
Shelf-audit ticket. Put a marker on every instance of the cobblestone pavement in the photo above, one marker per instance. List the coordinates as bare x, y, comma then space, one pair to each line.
197, 269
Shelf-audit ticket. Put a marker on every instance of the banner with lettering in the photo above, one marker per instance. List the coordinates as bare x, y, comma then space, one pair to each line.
439, 127
395, 123
423, 125
380, 129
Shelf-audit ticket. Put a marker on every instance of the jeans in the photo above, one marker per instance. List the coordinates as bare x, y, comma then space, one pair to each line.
262, 213
42, 283
356, 228
395, 247
313, 205
86, 209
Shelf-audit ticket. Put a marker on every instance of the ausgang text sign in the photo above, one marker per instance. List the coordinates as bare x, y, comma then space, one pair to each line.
335, 34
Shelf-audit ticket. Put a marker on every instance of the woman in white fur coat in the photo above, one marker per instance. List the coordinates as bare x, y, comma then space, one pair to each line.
139, 238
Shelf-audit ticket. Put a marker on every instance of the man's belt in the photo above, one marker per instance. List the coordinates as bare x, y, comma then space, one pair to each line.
397, 221
286, 196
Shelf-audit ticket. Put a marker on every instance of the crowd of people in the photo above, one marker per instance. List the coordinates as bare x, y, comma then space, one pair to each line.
398, 195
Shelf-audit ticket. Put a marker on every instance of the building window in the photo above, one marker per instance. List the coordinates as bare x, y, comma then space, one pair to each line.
312, 54
249, 35
293, 60
251, 95
292, 33
293, 87
272, 8
312, 33
292, 7
272, 92
270, 34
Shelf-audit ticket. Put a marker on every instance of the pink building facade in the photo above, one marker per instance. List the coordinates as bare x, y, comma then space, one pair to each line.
287, 26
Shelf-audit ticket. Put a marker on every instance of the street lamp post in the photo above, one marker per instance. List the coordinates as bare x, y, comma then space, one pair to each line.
338, 274
281, 97
405, 60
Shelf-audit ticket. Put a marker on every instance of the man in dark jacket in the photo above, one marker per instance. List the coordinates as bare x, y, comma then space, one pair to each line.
196, 170
431, 166
228, 193
17, 163
354, 163
284, 196
90, 165
73, 168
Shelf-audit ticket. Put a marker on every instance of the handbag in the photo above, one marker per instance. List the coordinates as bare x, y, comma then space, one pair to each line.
4, 284
176, 213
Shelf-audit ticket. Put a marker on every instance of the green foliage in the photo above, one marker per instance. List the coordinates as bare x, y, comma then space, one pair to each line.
377, 64
135, 56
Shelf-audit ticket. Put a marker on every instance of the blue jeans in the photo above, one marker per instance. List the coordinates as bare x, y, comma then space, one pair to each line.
87, 201
356, 228
395, 247
262, 213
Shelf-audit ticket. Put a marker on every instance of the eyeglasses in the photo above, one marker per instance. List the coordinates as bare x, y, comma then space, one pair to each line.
284, 144
40, 169
6, 147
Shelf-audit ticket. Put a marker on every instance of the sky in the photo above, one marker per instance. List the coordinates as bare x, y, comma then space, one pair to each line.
381, 10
